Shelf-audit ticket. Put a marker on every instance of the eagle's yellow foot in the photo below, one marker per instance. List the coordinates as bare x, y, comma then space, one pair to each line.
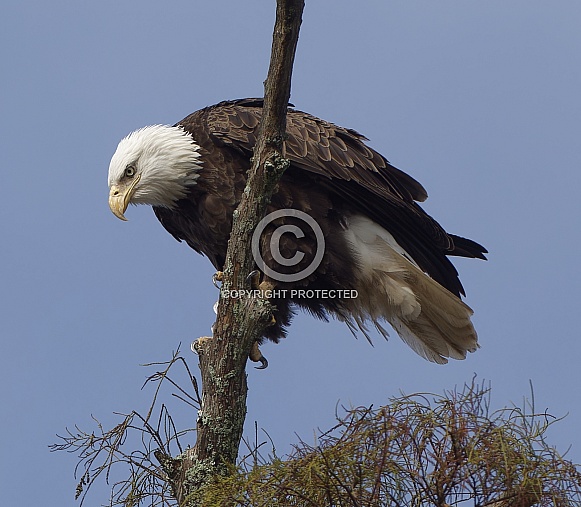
198, 345
265, 287
257, 357
253, 280
218, 276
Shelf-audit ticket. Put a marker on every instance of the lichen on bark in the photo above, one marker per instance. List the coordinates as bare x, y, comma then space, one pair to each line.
240, 323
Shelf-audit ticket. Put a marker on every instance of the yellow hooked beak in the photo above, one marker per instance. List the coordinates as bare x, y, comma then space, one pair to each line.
120, 195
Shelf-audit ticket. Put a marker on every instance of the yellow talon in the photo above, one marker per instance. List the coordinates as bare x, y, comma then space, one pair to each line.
218, 276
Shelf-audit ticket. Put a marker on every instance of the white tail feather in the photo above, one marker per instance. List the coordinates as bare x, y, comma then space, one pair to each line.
430, 319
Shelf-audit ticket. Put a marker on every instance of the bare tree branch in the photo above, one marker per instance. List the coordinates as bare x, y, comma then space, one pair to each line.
240, 322
141, 444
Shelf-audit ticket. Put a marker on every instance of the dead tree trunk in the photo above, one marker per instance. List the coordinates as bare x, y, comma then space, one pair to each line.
240, 321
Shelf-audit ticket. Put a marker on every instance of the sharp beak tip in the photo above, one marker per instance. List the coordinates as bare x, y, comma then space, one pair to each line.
119, 198
118, 208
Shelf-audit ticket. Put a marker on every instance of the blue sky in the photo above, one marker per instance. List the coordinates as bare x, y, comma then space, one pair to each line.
477, 100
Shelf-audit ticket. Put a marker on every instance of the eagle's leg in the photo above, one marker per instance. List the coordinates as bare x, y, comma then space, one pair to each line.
266, 285
253, 279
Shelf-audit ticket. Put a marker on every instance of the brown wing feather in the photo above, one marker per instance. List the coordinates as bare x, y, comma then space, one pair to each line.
356, 174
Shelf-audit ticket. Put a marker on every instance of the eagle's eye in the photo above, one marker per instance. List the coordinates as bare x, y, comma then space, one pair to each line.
130, 171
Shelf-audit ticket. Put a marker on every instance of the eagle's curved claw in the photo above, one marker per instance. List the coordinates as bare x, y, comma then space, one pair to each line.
263, 363
257, 357
218, 276
253, 279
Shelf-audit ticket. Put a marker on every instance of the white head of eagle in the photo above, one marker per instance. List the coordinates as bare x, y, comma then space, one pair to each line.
379, 242
154, 165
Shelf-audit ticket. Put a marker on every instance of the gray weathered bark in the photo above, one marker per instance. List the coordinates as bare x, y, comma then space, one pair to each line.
240, 322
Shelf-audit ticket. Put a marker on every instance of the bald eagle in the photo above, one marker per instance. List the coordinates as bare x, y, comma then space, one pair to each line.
380, 256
